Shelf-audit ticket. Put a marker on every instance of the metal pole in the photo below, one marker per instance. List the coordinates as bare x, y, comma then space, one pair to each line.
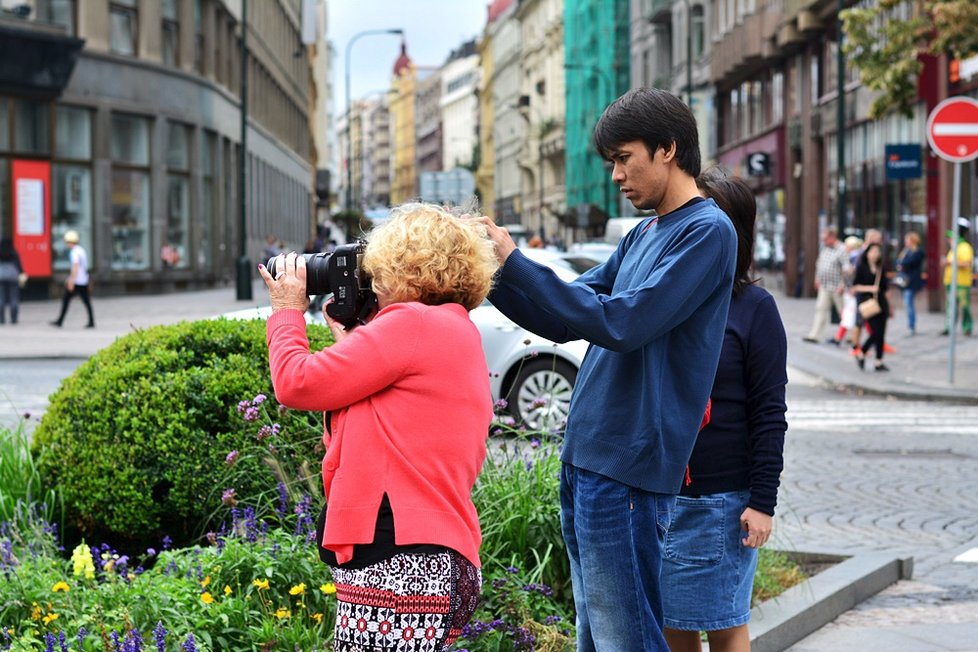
689, 54
840, 120
953, 301
349, 117
244, 265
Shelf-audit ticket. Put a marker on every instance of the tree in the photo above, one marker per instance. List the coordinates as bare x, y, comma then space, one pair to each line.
884, 42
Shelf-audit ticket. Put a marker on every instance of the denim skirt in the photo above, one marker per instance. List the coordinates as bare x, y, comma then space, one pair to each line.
707, 573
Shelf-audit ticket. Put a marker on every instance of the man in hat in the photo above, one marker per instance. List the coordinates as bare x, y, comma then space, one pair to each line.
77, 281
965, 276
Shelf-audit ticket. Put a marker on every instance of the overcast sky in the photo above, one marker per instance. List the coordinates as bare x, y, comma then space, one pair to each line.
432, 28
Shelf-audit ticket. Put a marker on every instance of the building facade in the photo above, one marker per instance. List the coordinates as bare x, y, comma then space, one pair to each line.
428, 122
459, 108
139, 148
508, 126
404, 88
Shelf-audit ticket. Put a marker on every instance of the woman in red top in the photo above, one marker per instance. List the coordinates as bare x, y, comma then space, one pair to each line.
409, 408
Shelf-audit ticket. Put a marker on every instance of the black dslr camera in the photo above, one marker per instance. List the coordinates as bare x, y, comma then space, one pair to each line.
341, 274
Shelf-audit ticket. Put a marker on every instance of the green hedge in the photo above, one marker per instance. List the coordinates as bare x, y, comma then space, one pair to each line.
137, 438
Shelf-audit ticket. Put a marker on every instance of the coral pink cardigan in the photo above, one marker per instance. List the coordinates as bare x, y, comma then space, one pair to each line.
411, 407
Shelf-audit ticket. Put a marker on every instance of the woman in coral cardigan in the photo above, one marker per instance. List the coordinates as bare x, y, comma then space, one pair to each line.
409, 406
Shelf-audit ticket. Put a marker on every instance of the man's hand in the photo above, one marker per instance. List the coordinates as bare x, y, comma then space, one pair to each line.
499, 235
757, 525
288, 288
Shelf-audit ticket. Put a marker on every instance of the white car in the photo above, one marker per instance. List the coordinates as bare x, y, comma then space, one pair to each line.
532, 375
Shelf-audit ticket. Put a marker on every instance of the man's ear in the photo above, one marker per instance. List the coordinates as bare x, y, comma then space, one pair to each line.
669, 153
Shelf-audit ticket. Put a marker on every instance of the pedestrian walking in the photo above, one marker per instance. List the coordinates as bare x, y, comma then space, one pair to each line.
910, 276
966, 257
408, 419
12, 278
731, 488
829, 282
77, 282
870, 284
847, 319
654, 314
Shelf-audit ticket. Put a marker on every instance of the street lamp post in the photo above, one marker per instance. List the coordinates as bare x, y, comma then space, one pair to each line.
349, 120
244, 265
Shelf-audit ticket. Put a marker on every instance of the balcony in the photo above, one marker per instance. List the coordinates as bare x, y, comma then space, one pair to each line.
747, 46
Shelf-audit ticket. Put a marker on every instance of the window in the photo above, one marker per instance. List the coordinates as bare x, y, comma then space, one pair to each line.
206, 242
123, 20
130, 192
171, 32
175, 251
62, 12
698, 27
198, 37
32, 129
71, 181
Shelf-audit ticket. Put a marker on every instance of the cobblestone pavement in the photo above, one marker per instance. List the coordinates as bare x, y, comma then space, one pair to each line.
875, 474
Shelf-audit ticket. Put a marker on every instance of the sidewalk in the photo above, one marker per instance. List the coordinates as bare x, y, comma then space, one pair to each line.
919, 365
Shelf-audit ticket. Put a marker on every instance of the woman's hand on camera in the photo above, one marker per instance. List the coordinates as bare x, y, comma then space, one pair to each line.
336, 328
288, 288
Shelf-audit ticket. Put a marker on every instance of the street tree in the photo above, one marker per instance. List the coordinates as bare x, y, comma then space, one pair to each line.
885, 38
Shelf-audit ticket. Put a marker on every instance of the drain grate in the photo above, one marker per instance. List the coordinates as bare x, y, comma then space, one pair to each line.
920, 453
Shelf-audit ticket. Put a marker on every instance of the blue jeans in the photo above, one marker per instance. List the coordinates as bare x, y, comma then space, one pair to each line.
614, 535
908, 297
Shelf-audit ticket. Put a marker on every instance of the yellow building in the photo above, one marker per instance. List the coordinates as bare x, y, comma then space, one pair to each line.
485, 174
404, 185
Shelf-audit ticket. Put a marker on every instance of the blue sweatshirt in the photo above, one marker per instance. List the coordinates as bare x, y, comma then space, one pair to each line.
654, 314
742, 446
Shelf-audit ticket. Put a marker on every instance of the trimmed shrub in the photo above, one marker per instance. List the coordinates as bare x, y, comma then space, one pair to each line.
138, 438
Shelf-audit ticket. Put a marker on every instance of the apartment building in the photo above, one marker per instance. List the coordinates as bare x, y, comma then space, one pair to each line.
125, 116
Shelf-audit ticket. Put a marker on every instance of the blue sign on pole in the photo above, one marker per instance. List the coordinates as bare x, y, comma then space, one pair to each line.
903, 162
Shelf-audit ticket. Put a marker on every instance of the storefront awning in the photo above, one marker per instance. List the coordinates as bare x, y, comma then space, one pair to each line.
36, 63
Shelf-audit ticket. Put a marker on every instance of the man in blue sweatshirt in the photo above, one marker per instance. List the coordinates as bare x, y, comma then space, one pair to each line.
654, 314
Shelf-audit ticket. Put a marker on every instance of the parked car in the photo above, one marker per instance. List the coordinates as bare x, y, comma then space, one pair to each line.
533, 375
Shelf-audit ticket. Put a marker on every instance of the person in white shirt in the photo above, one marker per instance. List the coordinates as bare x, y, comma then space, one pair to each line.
77, 281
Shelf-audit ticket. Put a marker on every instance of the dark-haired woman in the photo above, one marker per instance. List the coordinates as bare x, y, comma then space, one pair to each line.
10, 271
870, 281
725, 509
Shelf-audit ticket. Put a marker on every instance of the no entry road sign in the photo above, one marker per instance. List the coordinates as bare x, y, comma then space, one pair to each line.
952, 129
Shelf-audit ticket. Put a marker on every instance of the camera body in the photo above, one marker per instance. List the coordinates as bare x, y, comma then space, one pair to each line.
340, 273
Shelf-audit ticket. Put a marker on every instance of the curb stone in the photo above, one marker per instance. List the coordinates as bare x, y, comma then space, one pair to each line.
779, 623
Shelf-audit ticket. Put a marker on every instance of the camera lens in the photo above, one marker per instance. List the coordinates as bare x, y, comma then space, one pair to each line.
317, 278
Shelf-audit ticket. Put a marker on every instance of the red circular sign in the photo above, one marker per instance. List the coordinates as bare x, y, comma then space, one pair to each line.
952, 129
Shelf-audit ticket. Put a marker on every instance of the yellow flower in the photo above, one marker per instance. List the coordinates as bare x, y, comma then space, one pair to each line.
328, 588
47, 619
60, 586
299, 589
36, 611
261, 584
206, 597
317, 617
227, 590
282, 613
81, 559
204, 582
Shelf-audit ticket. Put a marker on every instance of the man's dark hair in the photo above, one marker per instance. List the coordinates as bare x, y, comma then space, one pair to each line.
657, 118
736, 199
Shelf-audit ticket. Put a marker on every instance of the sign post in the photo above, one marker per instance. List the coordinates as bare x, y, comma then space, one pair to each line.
952, 131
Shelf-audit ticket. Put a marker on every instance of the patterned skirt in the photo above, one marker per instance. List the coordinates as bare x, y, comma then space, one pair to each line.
411, 602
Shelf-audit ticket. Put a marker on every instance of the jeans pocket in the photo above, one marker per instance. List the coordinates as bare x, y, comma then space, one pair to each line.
695, 534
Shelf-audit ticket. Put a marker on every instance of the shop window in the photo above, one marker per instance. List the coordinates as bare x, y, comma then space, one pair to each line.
206, 242
175, 252
71, 208
171, 32
123, 21
130, 193
32, 131
73, 133
4, 124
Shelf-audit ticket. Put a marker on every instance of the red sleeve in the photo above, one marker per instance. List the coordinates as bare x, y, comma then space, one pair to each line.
369, 359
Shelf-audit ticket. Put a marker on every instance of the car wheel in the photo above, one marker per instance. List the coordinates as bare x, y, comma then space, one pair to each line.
541, 393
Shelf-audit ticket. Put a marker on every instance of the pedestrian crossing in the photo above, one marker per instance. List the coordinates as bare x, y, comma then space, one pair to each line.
882, 415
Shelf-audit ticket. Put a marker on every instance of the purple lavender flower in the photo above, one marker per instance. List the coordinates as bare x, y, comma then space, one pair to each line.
159, 634
283, 500
167, 543
49, 641
150, 552
251, 414
228, 497
258, 400
190, 645
501, 404
62, 641
116, 641
243, 405
231, 458
82, 634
